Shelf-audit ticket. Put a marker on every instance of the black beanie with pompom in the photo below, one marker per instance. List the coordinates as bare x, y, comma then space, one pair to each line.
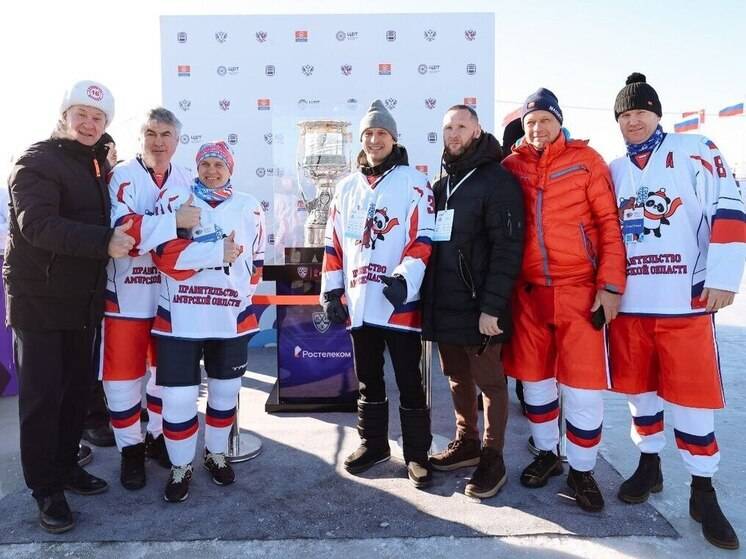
637, 95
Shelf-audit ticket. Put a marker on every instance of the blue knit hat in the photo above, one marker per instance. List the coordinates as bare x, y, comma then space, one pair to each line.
542, 100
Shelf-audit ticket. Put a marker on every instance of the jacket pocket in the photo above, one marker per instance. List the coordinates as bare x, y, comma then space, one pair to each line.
48, 271
588, 246
572, 169
464, 271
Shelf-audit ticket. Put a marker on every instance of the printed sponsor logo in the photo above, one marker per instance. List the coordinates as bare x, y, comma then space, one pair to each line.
301, 36
184, 70
271, 239
351, 103
321, 322
428, 68
225, 104
422, 69
470, 34
302, 272
391, 35
184, 138
471, 69
384, 69
265, 205
221, 36
261, 36
301, 353
470, 102
195, 138
222, 70
430, 35
181, 37
432, 137
232, 139
304, 103
268, 138
341, 35
269, 70
263, 104
349, 35
260, 172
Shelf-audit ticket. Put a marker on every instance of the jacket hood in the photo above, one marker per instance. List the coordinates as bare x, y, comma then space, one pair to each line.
485, 149
398, 156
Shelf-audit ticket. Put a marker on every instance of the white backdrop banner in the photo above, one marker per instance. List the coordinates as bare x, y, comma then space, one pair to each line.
250, 79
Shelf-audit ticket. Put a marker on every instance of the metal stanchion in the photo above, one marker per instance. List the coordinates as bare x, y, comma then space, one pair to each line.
242, 446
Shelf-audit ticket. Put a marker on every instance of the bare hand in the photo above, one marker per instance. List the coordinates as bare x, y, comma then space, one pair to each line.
121, 243
716, 298
610, 302
488, 325
231, 250
187, 216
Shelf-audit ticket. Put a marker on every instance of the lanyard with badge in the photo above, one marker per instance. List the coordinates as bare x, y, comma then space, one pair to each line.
633, 218
444, 218
361, 213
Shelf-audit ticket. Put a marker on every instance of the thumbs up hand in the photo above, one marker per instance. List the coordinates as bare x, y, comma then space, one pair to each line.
187, 216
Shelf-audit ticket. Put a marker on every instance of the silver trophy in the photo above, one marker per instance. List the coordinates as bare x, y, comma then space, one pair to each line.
323, 158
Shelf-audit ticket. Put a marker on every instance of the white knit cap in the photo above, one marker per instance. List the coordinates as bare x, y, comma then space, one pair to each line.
90, 94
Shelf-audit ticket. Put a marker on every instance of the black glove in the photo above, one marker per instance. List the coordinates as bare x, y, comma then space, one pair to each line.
395, 290
335, 311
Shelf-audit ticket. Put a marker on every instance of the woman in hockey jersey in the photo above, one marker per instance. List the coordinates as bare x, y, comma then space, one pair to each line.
209, 275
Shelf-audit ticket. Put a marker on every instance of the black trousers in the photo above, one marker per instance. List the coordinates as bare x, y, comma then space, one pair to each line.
405, 349
98, 413
55, 372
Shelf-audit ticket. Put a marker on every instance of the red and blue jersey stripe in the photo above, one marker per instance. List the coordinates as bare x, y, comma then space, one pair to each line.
181, 430
543, 413
647, 425
155, 404
219, 418
126, 418
696, 445
587, 438
728, 226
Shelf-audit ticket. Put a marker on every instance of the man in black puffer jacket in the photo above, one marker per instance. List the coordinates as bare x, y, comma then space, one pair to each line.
59, 242
477, 249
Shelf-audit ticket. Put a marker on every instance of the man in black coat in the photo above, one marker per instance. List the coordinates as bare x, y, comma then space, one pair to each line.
477, 249
59, 242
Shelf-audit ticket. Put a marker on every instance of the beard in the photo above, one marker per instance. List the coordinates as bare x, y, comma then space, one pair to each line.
460, 149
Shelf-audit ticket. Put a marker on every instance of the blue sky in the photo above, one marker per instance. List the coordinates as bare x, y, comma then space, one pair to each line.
693, 53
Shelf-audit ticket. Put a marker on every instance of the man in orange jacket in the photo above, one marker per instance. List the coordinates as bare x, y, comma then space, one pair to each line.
572, 278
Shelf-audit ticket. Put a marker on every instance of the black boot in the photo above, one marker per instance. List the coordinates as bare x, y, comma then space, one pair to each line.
415, 429
647, 479
704, 508
587, 493
156, 450
132, 474
54, 513
373, 427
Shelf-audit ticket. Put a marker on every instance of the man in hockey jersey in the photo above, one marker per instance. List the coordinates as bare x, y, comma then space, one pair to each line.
573, 267
377, 246
684, 228
133, 286
204, 310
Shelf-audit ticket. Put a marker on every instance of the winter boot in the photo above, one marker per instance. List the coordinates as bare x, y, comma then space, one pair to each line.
704, 508
132, 474
460, 453
373, 427
489, 476
155, 449
587, 494
537, 473
415, 429
647, 479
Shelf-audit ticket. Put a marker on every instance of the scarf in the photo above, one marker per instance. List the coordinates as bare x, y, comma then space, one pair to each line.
215, 195
648, 145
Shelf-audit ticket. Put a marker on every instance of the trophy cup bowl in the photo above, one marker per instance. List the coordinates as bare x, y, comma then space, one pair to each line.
323, 158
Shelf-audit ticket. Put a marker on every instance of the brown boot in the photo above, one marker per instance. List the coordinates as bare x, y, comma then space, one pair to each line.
489, 476
460, 453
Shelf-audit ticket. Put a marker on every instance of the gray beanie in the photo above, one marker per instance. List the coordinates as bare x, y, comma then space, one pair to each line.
378, 116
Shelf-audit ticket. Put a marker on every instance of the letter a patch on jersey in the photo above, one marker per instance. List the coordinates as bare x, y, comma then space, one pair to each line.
669, 160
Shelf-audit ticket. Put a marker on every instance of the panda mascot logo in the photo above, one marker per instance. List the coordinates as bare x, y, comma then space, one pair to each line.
658, 208
377, 227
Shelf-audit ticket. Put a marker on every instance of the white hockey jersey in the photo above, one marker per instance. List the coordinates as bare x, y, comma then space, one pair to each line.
379, 230
684, 226
133, 282
200, 296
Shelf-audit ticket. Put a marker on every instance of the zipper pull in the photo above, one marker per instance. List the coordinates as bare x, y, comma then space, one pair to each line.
96, 168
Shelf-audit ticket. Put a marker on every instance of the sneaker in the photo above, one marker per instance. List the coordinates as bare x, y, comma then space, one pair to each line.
365, 457
155, 448
587, 494
132, 471
177, 488
489, 476
538, 472
460, 453
704, 508
219, 468
647, 479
